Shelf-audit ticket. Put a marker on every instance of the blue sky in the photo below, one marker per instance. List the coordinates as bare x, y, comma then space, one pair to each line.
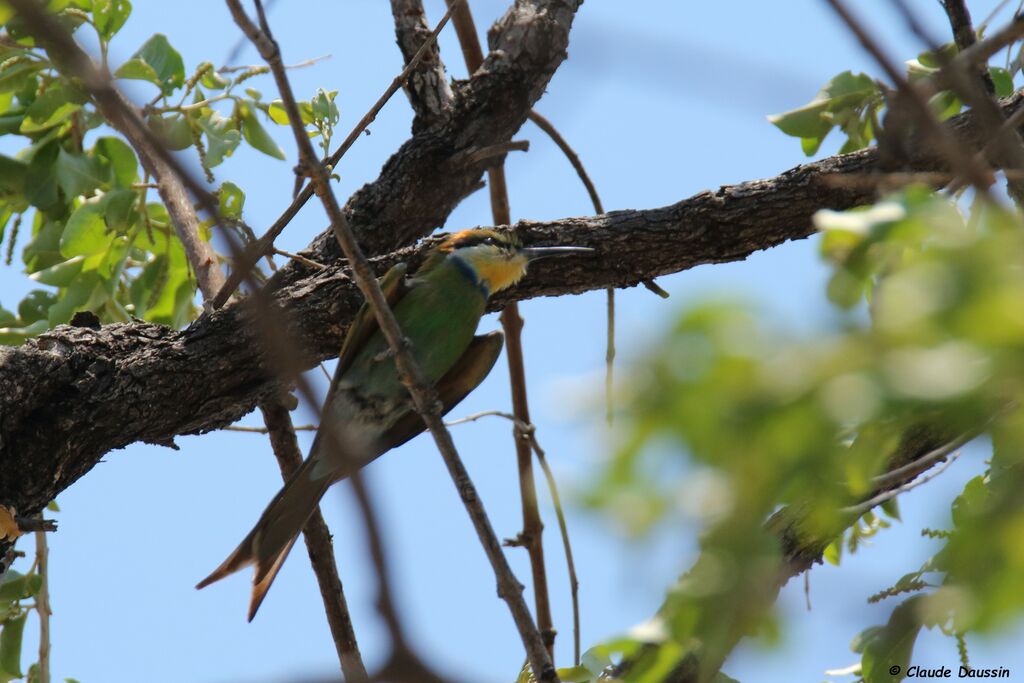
661, 100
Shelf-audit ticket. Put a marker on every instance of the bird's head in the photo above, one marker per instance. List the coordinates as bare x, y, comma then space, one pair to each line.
496, 260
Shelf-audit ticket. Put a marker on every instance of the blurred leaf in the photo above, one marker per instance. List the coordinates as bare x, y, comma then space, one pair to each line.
77, 174
846, 92
891, 645
41, 177
213, 80
60, 274
35, 305
51, 108
85, 293
110, 15
86, 232
280, 116
10, 647
13, 336
173, 130
256, 135
157, 62
1002, 79
12, 174
231, 199
115, 155
222, 137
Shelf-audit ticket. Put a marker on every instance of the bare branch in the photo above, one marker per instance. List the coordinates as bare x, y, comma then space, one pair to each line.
319, 545
75, 393
958, 157
427, 87
531, 537
423, 396
265, 243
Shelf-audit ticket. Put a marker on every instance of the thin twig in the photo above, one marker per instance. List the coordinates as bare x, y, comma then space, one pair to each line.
428, 87
404, 665
256, 251
125, 119
1007, 150
264, 430
35, 523
885, 496
423, 395
531, 537
475, 156
530, 431
964, 36
964, 163
922, 463
301, 259
318, 543
43, 604
297, 65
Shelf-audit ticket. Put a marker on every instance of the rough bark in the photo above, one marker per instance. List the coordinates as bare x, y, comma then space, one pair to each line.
73, 394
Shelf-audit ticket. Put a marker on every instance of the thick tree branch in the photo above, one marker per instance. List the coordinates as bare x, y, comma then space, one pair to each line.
75, 393
428, 89
419, 185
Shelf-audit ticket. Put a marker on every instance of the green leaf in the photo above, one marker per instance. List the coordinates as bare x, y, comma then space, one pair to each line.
51, 108
77, 174
576, 674
846, 92
278, 114
945, 104
60, 274
13, 336
934, 59
85, 293
12, 174
172, 130
52, 506
1002, 79
41, 177
110, 15
891, 507
805, 122
119, 159
222, 137
891, 645
157, 62
971, 502
834, 552
10, 646
324, 107
118, 208
35, 305
257, 136
18, 75
253, 93
213, 80
86, 232
231, 199
18, 586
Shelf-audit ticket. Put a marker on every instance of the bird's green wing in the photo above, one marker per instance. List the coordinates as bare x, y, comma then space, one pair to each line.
365, 323
465, 376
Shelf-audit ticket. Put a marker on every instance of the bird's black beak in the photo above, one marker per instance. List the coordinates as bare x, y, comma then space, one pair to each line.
534, 253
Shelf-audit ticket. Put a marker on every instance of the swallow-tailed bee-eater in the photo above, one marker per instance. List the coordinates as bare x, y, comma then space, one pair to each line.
438, 308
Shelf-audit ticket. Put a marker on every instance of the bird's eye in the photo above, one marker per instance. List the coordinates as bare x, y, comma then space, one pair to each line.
491, 241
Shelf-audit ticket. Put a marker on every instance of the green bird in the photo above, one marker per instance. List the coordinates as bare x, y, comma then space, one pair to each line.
438, 308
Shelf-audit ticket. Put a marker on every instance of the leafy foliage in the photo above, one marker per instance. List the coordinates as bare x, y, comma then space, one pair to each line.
771, 420
99, 239
856, 104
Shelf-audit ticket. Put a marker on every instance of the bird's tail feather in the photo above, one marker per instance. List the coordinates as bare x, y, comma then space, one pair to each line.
269, 542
